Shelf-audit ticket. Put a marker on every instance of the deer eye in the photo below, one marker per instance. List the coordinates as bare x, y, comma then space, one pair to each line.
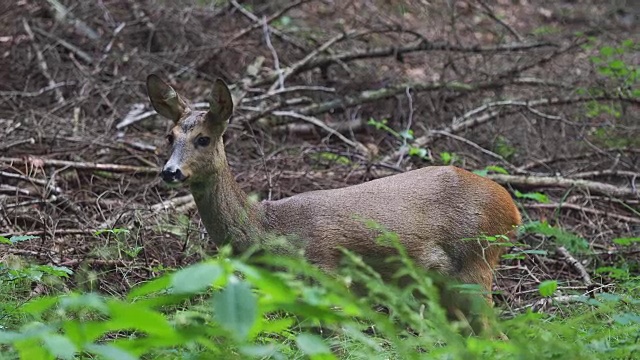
170, 139
203, 141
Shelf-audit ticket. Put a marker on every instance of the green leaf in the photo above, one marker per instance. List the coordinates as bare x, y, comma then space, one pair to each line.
195, 278
59, 346
59, 271
419, 152
110, 352
535, 252
626, 241
547, 287
446, 157
627, 318
606, 51
135, 316
235, 308
406, 134
90, 300
39, 305
536, 196
497, 169
617, 65
261, 351
155, 285
9, 337
312, 345
85, 331
19, 238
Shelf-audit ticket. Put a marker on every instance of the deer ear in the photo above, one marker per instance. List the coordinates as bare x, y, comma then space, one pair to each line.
165, 99
220, 102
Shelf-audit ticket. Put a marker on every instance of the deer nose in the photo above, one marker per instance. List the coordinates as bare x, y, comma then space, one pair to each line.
172, 174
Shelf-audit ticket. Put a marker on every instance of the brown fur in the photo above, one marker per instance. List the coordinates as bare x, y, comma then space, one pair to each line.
433, 209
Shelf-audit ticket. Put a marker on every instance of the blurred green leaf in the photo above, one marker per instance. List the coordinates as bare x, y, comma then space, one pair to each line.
60, 346
626, 241
548, 287
539, 197
235, 307
195, 278
313, 345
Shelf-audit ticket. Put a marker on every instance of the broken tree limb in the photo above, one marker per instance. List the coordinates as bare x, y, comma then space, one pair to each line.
549, 181
565, 205
422, 45
32, 161
586, 278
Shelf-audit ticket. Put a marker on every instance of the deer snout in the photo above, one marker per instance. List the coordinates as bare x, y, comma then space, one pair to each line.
172, 174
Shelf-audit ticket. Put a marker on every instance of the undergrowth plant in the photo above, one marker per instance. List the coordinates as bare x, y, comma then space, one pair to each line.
272, 307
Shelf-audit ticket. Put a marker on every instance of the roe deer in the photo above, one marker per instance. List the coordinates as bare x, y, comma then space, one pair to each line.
434, 210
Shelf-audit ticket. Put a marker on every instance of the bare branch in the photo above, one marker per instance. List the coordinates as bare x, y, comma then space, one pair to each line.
548, 181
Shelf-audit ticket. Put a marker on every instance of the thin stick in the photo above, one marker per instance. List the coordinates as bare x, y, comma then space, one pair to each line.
81, 165
320, 124
43, 64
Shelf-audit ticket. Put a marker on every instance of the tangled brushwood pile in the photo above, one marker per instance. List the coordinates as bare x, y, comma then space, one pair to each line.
539, 96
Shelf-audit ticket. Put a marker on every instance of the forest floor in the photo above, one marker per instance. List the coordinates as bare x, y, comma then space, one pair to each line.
541, 96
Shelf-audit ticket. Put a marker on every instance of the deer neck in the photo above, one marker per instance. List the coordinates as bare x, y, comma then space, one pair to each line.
226, 211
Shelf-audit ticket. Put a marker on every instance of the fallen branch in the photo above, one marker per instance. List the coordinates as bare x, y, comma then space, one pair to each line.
44, 68
51, 232
586, 278
548, 181
172, 203
422, 45
554, 159
589, 174
44, 183
323, 126
31, 161
577, 207
384, 93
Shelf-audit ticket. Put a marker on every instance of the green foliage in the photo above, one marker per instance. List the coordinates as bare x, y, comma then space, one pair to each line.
330, 158
503, 148
536, 196
405, 136
547, 287
16, 239
545, 30
448, 158
491, 168
626, 241
271, 307
572, 242
614, 63
610, 63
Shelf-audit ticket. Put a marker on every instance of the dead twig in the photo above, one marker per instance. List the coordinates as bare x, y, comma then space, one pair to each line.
52, 233
283, 75
322, 125
564, 253
44, 68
